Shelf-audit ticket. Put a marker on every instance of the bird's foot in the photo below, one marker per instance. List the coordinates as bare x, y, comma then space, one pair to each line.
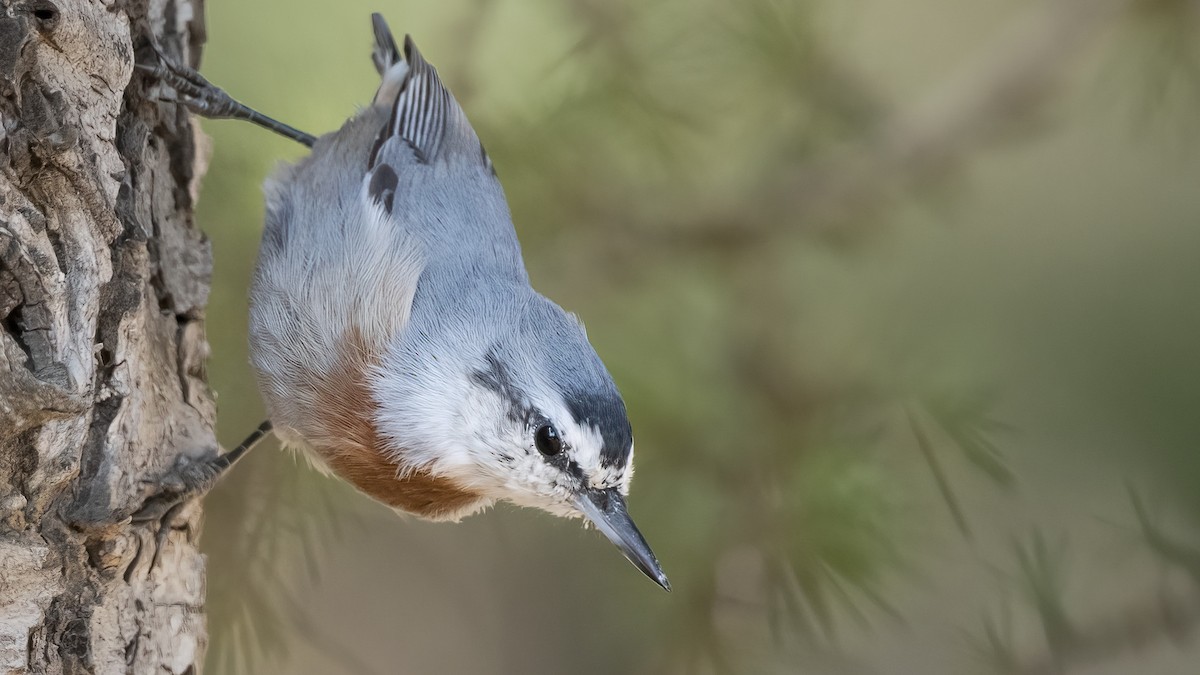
187, 480
191, 89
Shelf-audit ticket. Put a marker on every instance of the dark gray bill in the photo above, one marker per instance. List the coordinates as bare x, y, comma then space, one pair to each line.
606, 509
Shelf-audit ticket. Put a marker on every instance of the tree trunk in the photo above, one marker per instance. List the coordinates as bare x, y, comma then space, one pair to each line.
103, 282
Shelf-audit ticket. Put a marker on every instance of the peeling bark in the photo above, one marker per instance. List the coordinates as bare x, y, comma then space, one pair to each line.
103, 282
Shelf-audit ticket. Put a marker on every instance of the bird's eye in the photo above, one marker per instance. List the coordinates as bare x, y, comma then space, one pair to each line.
547, 440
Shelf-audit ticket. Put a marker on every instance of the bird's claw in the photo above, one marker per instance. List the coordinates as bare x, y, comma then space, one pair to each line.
188, 479
191, 89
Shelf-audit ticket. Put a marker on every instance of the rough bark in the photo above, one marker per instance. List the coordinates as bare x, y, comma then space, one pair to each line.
103, 282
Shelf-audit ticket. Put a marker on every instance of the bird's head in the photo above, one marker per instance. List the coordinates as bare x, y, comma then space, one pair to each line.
534, 418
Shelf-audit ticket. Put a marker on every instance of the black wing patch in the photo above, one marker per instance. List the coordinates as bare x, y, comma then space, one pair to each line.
382, 187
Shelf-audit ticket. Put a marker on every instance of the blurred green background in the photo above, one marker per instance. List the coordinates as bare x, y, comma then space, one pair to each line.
904, 299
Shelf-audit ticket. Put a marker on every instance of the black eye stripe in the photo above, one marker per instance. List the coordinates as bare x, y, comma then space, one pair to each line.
575, 470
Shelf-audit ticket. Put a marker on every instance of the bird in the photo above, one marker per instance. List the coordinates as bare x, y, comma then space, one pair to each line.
394, 332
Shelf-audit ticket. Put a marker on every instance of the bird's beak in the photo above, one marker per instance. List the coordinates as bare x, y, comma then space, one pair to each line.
606, 509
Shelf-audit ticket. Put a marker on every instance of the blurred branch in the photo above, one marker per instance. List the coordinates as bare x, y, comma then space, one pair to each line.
290, 515
1133, 629
1173, 617
1043, 573
967, 422
985, 101
1168, 549
939, 473
996, 644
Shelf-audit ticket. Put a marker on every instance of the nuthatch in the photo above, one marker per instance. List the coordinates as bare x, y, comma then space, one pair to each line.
394, 331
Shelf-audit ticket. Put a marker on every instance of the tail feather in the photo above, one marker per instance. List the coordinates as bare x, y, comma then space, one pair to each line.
389, 62
386, 54
425, 108
424, 115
